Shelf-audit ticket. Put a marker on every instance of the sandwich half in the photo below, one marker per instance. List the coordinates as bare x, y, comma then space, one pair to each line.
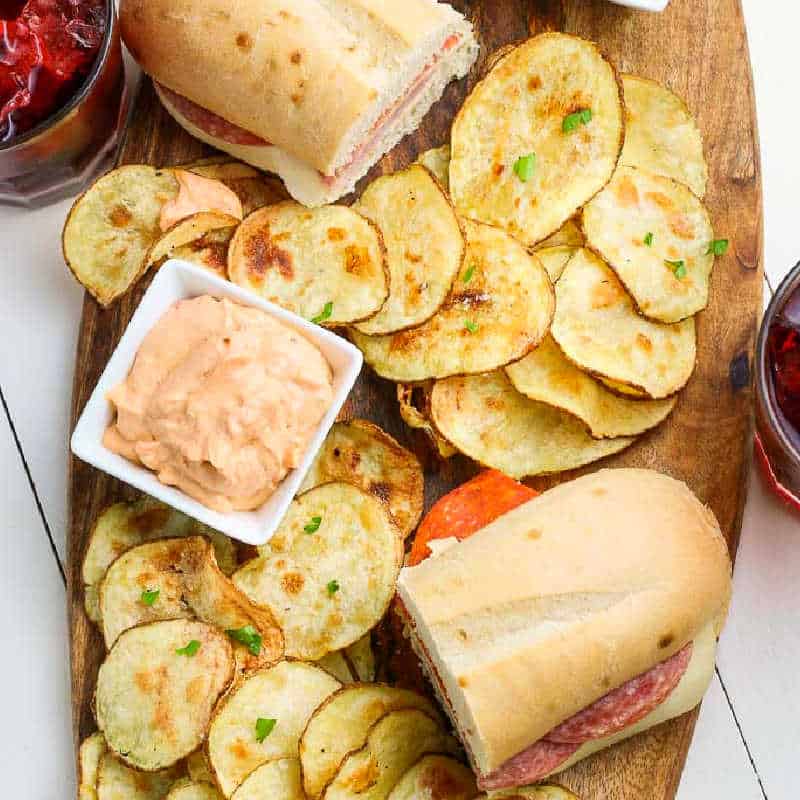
314, 90
574, 621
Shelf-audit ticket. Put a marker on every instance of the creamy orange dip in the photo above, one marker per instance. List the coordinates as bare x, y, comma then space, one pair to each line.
222, 401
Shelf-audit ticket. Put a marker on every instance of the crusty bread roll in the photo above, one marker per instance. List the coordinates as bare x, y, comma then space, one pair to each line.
564, 598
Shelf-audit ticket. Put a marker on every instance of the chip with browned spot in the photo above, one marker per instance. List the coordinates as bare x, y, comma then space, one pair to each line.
436, 777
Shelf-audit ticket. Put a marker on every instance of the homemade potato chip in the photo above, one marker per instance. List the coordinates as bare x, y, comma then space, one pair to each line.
275, 780
116, 781
599, 330
436, 778
660, 134
656, 235
287, 693
124, 525
437, 161
414, 409
338, 665
329, 571
487, 419
568, 235
500, 308
424, 246
395, 742
326, 264
622, 388
555, 258
186, 789
362, 658
542, 791
548, 376
341, 726
112, 225
209, 251
156, 690
90, 753
179, 578
198, 768
361, 453
538, 137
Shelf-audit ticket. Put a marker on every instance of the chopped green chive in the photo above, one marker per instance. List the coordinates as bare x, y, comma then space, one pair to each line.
190, 649
677, 267
524, 167
333, 587
248, 636
471, 326
718, 247
469, 273
149, 596
648, 239
313, 526
324, 314
571, 122
264, 728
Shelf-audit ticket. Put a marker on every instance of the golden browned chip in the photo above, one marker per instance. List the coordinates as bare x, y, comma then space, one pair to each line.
657, 237
598, 329
424, 246
437, 161
124, 525
156, 690
622, 388
90, 753
338, 664
362, 658
179, 578
436, 778
209, 251
327, 264
329, 571
186, 789
555, 258
284, 697
538, 137
395, 742
487, 419
198, 768
275, 780
568, 235
117, 781
361, 453
548, 376
660, 134
112, 225
500, 308
542, 791
414, 400
341, 726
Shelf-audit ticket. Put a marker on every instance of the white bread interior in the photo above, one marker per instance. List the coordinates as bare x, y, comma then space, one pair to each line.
563, 599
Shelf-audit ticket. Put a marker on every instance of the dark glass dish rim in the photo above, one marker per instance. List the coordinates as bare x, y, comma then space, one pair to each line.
764, 387
79, 95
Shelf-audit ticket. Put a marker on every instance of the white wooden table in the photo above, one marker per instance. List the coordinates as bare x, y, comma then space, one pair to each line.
746, 742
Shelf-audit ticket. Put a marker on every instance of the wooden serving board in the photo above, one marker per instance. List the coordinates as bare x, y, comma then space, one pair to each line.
698, 48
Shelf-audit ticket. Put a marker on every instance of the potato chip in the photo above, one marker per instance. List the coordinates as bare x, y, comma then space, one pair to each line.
414, 409
186, 789
568, 235
186, 232
179, 578
338, 665
500, 309
621, 388
548, 376
209, 251
555, 258
156, 690
437, 161
362, 658
424, 246
542, 791
599, 330
394, 744
656, 235
341, 726
90, 753
660, 134
436, 778
287, 693
198, 768
329, 571
112, 225
361, 453
124, 525
538, 137
487, 419
275, 780
326, 264
116, 781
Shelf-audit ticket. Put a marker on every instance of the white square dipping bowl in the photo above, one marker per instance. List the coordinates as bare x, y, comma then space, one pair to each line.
179, 280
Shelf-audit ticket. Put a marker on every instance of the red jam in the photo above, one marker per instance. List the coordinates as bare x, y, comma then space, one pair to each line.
783, 347
47, 48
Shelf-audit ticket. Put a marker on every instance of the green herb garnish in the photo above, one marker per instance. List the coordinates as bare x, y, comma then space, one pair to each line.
718, 247
248, 636
313, 526
524, 167
471, 326
324, 314
648, 239
677, 267
264, 728
190, 649
333, 587
149, 596
572, 121
469, 273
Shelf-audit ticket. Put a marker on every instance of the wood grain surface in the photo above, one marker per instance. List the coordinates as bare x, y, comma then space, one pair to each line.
699, 49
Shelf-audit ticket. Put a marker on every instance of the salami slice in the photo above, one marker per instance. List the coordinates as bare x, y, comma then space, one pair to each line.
212, 124
540, 759
622, 707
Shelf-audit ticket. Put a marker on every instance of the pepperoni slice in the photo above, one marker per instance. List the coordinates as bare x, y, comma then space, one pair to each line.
622, 707
212, 124
540, 759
